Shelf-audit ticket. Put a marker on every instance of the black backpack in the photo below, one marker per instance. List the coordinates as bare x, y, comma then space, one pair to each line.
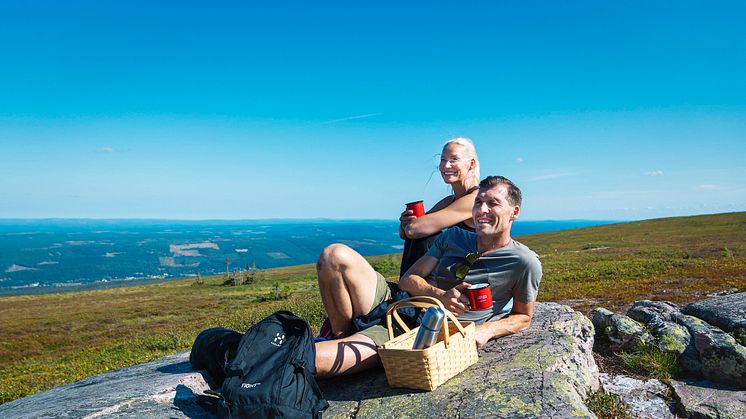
212, 350
272, 374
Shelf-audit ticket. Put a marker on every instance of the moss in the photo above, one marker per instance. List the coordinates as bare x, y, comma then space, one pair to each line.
510, 403
673, 340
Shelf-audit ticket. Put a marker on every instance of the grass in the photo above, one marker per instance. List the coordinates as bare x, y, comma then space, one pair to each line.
53, 339
607, 406
651, 362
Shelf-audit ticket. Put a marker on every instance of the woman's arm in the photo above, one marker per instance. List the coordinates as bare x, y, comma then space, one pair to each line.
442, 215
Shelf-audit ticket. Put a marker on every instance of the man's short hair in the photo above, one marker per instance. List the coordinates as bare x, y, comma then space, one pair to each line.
514, 194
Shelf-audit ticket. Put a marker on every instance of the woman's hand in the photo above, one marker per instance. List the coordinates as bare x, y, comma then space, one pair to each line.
405, 218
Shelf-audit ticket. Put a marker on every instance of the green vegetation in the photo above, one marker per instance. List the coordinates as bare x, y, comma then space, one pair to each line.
54, 339
651, 362
607, 406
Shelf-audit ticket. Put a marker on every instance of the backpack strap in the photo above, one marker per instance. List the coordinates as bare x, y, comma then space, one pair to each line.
239, 370
300, 365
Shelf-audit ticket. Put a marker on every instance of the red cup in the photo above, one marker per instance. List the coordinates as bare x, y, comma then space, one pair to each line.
480, 296
417, 207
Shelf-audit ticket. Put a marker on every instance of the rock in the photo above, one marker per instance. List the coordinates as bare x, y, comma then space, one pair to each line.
702, 399
670, 337
163, 388
645, 398
545, 371
646, 311
727, 312
723, 360
624, 333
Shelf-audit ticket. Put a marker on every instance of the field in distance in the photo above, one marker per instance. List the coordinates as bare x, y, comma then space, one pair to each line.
49, 340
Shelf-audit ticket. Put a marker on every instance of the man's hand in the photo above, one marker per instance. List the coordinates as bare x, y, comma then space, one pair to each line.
519, 319
455, 300
483, 334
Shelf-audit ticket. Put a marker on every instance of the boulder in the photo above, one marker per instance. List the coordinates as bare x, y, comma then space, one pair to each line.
645, 398
545, 371
669, 336
703, 399
163, 388
722, 358
624, 333
727, 312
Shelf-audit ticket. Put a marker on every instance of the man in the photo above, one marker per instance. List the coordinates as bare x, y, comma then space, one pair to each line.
351, 288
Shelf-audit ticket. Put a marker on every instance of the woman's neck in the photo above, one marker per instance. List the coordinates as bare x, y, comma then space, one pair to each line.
460, 188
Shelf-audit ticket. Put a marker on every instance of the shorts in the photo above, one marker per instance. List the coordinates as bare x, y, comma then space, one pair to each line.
379, 334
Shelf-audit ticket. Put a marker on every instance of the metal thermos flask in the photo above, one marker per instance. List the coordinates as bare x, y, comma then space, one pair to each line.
432, 321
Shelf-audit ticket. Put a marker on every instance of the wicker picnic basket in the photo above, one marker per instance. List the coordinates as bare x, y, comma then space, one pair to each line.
426, 369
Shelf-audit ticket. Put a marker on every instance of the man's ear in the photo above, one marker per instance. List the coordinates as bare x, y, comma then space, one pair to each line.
516, 211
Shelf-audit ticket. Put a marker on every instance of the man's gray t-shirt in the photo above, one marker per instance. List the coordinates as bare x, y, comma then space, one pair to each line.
513, 271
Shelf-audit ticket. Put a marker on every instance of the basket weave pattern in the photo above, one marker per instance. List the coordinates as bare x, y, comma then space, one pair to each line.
428, 368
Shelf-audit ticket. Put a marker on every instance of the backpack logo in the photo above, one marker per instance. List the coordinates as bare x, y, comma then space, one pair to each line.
249, 385
279, 340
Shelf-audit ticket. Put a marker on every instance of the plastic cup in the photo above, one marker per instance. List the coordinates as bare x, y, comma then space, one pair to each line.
480, 296
417, 207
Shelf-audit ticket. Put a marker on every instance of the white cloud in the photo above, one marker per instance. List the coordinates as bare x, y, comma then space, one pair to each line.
519, 160
549, 176
105, 150
708, 187
654, 173
350, 118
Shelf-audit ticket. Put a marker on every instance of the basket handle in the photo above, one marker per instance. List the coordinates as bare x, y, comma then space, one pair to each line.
421, 301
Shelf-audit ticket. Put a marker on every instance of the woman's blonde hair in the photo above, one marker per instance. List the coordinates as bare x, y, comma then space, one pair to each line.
469, 152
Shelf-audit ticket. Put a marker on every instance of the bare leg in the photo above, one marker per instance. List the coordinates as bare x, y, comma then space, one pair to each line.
345, 356
347, 284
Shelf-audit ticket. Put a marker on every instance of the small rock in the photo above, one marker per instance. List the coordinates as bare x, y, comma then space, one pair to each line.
645, 398
646, 311
670, 337
727, 312
723, 360
624, 333
702, 399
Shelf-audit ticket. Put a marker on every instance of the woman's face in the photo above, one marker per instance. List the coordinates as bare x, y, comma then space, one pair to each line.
454, 166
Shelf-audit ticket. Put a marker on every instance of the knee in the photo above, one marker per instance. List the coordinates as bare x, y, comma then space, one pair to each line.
335, 256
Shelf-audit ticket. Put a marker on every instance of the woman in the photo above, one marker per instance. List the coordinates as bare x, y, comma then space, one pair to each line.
353, 293
459, 168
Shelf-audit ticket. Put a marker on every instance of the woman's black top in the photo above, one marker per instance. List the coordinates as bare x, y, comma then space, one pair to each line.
416, 248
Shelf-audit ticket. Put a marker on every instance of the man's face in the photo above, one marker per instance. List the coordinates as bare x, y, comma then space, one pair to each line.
492, 212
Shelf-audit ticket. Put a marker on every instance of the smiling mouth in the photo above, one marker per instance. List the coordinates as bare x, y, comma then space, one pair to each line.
449, 173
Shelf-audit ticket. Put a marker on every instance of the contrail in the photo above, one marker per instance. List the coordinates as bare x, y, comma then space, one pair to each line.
367, 115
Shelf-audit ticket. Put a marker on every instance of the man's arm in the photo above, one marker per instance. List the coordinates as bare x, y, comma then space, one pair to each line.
414, 282
519, 319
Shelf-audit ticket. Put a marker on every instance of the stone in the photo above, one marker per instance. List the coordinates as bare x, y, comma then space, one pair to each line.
703, 399
646, 311
670, 337
624, 333
723, 359
545, 371
727, 312
645, 398
167, 387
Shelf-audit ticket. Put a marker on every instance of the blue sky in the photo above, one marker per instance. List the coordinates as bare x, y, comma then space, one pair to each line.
197, 110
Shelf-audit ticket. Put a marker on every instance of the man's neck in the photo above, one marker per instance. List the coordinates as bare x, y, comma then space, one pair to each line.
489, 243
